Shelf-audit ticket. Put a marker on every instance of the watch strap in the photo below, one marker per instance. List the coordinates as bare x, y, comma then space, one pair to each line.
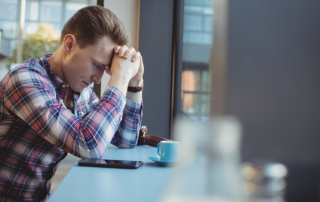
135, 89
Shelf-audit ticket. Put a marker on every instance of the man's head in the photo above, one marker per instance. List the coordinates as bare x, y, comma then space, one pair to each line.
86, 46
91, 23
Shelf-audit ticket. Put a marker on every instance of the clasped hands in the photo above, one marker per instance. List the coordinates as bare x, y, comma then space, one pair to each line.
127, 62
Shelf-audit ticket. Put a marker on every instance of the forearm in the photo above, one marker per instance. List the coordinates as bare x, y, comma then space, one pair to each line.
127, 133
121, 81
86, 136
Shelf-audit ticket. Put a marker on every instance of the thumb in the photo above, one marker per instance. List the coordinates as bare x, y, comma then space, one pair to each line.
107, 70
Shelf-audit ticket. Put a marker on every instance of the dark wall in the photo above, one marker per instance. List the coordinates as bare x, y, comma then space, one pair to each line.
155, 45
274, 86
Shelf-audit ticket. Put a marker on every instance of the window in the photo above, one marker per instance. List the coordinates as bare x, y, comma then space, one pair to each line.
197, 41
52, 13
44, 20
176, 49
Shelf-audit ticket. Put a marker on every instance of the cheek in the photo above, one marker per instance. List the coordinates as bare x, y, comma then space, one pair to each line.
82, 70
80, 67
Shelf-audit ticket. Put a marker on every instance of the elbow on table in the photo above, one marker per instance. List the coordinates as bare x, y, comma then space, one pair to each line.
87, 154
123, 145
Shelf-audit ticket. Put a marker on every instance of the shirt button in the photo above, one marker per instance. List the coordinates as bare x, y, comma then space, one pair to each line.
82, 113
63, 86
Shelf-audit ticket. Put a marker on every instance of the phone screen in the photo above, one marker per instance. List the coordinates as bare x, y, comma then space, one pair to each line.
110, 163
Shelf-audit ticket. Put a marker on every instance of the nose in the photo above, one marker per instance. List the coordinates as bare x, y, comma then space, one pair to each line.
96, 78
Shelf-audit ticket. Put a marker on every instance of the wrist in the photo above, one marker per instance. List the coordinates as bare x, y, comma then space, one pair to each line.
135, 82
121, 76
120, 81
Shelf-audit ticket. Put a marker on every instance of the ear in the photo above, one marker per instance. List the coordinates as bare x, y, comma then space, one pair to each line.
69, 43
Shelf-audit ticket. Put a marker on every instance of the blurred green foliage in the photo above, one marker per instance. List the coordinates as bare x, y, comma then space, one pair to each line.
45, 40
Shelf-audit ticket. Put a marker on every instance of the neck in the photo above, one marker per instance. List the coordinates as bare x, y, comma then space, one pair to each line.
56, 64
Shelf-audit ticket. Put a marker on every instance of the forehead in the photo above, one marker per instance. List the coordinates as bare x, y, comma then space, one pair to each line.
102, 51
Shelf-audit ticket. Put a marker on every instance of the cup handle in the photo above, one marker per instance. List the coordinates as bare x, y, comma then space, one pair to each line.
158, 146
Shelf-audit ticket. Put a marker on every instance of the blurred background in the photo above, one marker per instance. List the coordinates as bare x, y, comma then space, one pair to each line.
257, 60
31, 28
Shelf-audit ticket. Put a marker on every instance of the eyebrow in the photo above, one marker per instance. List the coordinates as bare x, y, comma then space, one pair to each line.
100, 63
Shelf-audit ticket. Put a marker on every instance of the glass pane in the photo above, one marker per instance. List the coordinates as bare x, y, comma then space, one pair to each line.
9, 29
207, 3
57, 27
205, 105
196, 104
193, 22
6, 43
193, 9
190, 81
51, 11
85, 1
207, 24
35, 37
194, 2
207, 38
32, 10
72, 8
197, 42
31, 27
192, 37
9, 9
205, 81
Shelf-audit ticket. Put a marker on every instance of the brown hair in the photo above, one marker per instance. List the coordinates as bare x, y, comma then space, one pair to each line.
91, 23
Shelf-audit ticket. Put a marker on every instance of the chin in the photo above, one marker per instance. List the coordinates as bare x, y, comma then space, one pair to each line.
78, 89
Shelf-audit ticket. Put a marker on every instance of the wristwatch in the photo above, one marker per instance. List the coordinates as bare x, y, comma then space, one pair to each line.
135, 89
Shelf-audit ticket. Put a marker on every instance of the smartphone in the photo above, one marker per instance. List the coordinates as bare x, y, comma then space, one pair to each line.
110, 163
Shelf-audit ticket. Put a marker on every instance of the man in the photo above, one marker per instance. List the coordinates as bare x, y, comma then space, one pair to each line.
48, 110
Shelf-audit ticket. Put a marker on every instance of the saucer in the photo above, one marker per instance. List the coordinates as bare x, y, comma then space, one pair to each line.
161, 162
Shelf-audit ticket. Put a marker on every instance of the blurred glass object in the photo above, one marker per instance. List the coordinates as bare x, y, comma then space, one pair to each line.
197, 42
209, 166
264, 180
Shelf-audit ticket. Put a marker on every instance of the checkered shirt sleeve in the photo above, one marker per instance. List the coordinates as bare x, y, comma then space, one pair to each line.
37, 130
31, 97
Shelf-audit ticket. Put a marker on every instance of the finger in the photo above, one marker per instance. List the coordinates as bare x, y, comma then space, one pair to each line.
116, 49
107, 69
141, 64
122, 50
136, 56
129, 52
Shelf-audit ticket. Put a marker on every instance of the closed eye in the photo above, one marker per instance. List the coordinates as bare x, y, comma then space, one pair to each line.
100, 67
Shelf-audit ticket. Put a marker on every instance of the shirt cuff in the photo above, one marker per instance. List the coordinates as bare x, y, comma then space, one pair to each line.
133, 109
114, 96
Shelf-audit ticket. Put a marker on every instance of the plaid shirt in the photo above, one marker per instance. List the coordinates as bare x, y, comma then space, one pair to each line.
37, 130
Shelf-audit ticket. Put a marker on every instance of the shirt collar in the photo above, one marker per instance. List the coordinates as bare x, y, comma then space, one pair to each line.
56, 81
